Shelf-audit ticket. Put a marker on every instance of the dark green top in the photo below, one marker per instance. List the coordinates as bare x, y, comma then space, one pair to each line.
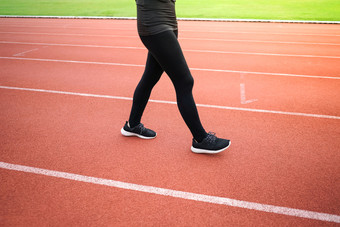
155, 16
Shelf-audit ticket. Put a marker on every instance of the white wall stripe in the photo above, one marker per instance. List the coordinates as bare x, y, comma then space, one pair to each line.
193, 69
172, 102
185, 50
180, 38
176, 194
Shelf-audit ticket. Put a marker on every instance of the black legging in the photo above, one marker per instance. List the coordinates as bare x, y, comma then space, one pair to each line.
165, 54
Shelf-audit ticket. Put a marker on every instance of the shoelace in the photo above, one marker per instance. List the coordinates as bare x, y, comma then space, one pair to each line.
211, 138
140, 127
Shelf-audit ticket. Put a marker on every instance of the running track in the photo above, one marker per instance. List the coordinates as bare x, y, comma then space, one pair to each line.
65, 91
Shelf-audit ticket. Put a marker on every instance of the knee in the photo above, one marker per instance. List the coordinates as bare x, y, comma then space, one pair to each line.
150, 79
189, 82
185, 84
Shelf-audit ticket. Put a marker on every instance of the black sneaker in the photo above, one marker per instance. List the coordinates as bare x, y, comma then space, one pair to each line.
139, 131
210, 145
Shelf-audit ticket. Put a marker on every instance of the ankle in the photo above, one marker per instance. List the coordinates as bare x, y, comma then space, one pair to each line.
201, 138
132, 125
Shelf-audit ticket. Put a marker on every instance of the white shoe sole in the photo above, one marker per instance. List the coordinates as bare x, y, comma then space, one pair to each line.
204, 151
126, 133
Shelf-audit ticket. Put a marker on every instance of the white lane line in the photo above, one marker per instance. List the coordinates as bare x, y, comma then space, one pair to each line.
174, 103
264, 54
176, 194
72, 61
260, 41
180, 38
186, 50
25, 52
265, 33
69, 34
243, 91
67, 26
193, 69
74, 45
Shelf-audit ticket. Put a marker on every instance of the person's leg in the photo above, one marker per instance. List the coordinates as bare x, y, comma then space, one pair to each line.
165, 48
151, 76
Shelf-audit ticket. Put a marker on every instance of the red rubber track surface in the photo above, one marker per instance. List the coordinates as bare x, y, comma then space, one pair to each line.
278, 159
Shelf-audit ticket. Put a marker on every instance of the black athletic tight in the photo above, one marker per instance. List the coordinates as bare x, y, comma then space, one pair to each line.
165, 54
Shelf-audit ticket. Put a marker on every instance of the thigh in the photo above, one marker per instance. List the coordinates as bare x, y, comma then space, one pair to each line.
165, 48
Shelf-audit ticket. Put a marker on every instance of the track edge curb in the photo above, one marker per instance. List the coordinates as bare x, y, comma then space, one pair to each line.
180, 19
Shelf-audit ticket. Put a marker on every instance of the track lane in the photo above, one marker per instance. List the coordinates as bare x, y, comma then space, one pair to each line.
304, 95
264, 31
205, 36
38, 201
81, 135
255, 63
304, 50
292, 28
300, 155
